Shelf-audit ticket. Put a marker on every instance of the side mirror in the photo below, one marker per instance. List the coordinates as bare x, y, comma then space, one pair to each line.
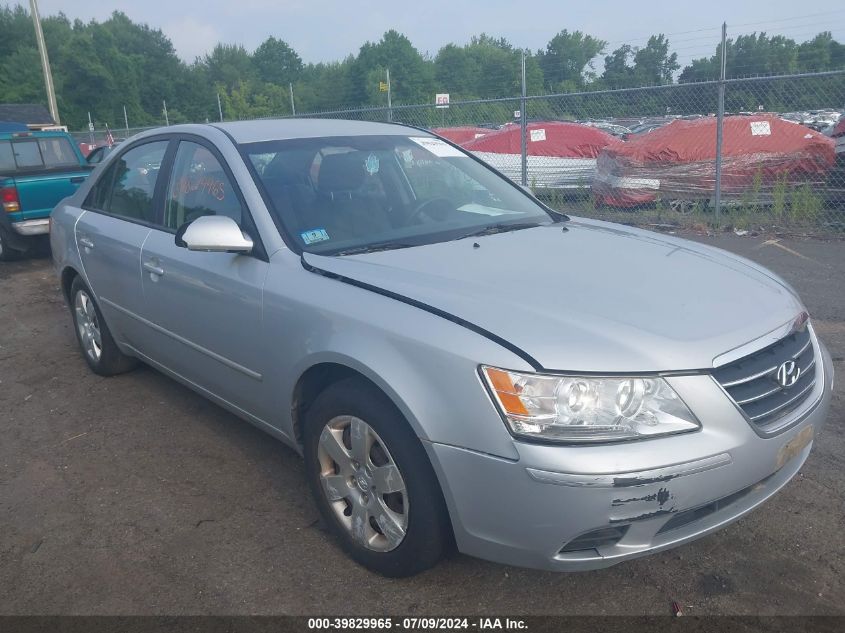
214, 234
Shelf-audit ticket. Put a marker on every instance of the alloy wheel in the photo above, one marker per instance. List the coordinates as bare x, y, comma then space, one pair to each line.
88, 326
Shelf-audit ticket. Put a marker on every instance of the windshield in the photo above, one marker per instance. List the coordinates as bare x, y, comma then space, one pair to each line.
351, 194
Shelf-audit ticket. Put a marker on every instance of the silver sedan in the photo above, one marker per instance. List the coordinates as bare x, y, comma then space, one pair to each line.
457, 363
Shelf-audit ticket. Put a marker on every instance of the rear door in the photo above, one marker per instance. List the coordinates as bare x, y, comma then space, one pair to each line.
205, 308
121, 208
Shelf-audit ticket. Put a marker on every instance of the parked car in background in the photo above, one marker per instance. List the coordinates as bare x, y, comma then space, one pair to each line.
761, 154
561, 154
454, 360
37, 170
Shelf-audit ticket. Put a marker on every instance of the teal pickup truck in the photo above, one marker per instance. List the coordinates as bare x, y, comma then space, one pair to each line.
37, 170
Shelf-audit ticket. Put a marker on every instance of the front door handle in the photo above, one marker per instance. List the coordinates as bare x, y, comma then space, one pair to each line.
87, 243
155, 270
77, 179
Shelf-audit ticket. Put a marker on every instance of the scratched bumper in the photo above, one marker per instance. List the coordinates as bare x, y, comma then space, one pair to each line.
662, 492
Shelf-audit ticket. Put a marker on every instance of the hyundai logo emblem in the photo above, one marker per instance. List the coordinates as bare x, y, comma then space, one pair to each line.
788, 374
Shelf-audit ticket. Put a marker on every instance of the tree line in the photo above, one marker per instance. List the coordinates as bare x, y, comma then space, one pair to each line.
100, 67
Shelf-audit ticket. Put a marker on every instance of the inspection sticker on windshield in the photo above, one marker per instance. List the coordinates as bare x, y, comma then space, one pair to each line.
437, 146
314, 235
371, 164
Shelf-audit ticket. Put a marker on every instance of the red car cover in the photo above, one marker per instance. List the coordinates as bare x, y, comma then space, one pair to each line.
678, 160
460, 135
546, 138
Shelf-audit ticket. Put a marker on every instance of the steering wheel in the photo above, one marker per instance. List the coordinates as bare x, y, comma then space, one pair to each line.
424, 206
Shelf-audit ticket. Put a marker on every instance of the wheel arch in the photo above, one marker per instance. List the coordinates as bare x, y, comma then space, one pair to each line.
320, 375
69, 273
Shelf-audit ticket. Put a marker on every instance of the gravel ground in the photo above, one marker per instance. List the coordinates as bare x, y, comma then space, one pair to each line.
133, 495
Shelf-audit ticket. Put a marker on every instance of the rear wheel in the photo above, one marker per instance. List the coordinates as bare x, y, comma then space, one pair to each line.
372, 480
98, 347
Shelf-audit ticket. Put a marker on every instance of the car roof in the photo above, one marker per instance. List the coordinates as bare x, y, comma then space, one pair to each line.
277, 129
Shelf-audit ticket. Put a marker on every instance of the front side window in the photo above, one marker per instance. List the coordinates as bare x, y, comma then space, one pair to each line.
341, 194
199, 186
57, 152
134, 182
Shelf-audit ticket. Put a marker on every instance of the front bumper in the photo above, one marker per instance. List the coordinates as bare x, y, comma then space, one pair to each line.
659, 493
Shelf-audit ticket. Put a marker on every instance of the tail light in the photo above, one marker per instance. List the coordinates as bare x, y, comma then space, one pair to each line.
9, 198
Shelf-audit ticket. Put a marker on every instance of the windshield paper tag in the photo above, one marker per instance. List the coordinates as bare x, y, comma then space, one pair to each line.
314, 235
437, 146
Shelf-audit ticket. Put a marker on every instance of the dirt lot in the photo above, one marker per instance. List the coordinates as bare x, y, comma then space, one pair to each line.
132, 495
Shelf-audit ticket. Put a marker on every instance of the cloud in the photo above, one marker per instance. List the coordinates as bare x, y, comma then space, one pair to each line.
191, 38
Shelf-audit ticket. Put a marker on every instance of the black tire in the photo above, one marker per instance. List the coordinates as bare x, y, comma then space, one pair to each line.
428, 532
7, 253
111, 360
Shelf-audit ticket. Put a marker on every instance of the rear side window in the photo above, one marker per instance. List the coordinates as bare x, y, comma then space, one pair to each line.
7, 158
127, 187
199, 186
27, 154
37, 153
98, 197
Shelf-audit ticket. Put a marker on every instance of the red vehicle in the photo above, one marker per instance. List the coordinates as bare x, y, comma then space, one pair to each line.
677, 161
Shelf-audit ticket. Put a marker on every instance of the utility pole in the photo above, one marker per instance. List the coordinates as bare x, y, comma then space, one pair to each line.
164, 108
523, 124
389, 102
292, 105
219, 107
91, 128
126, 121
45, 62
720, 119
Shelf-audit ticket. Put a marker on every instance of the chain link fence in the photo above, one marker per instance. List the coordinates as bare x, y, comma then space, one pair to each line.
659, 156
649, 155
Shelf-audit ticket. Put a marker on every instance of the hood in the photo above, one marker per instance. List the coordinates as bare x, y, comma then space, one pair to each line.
588, 296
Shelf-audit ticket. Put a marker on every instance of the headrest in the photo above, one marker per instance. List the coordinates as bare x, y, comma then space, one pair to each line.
341, 172
289, 167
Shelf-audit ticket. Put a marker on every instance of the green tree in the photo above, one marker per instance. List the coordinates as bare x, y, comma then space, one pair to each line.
654, 65
567, 61
411, 74
276, 62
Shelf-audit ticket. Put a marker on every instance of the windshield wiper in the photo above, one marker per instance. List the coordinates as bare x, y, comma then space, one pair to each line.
374, 248
502, 227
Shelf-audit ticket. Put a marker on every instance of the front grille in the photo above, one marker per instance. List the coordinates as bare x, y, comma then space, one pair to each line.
752, 381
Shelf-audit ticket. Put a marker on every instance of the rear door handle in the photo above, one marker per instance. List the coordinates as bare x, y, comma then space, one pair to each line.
156, 270
77, 179
87, 243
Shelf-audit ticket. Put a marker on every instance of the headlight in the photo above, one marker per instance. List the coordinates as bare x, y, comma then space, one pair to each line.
586, 408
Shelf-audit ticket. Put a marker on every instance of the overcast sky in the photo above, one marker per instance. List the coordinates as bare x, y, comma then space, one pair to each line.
327, 30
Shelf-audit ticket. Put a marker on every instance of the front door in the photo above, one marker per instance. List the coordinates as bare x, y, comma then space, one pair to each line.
204, 309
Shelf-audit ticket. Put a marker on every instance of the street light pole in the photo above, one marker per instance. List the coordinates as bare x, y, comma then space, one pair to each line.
45, 62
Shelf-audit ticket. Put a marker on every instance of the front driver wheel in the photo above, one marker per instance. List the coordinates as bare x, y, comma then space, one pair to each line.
372, 480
